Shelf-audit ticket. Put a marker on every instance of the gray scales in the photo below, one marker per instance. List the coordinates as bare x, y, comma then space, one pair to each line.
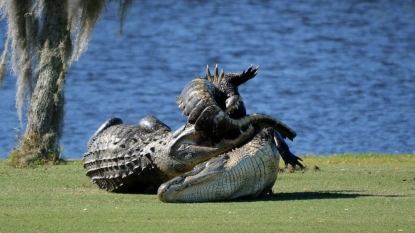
219, 154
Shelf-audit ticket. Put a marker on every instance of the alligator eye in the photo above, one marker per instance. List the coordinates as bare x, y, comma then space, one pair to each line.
197, 139
200, 139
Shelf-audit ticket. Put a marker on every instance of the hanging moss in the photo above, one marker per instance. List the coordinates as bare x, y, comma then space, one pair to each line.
44, 37
3, 62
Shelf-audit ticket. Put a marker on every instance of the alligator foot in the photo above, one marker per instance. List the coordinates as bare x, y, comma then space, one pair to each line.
233, 79
284, 150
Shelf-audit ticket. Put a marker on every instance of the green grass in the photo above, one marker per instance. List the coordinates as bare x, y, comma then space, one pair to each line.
347, 193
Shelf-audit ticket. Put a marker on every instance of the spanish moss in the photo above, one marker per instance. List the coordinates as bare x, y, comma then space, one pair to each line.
43, 38
125, 5
89, 13
3, 62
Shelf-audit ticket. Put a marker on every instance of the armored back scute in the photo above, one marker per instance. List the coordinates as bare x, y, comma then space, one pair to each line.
117, 161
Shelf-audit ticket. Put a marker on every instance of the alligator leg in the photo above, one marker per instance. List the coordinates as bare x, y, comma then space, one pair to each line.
247, 171
284, 150
215, 123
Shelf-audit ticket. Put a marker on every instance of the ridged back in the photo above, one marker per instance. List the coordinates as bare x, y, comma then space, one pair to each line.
118, 159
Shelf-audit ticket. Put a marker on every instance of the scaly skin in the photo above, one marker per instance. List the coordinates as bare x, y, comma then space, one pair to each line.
216, 108
228, 84
217, 124
196, 96
138, 158
250, 170
217, 90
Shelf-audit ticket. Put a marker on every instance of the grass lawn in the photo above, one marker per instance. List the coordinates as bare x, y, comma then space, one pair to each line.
344, 193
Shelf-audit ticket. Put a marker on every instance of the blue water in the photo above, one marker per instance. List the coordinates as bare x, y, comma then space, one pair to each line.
340, 73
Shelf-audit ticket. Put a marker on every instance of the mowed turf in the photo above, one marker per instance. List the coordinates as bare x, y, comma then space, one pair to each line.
345, 193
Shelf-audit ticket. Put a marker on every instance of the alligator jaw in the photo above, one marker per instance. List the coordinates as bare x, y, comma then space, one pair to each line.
167, 191
184, 151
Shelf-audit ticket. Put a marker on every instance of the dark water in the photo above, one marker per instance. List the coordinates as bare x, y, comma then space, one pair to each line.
341, 73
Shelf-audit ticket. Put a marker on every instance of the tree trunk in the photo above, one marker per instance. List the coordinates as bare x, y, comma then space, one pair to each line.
45, 116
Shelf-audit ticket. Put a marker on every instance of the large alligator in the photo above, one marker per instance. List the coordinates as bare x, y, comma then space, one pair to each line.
139, 158
250, 170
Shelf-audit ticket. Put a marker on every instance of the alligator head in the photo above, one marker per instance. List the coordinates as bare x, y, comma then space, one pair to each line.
250, 170
187, 147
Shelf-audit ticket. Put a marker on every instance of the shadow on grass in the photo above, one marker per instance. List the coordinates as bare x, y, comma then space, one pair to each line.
340, 194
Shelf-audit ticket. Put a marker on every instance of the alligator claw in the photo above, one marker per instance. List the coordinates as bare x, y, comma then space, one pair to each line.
240, 79
284, 150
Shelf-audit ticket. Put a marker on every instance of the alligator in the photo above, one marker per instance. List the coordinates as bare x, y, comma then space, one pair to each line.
139, 158
130, 158
215, 106
248, 171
